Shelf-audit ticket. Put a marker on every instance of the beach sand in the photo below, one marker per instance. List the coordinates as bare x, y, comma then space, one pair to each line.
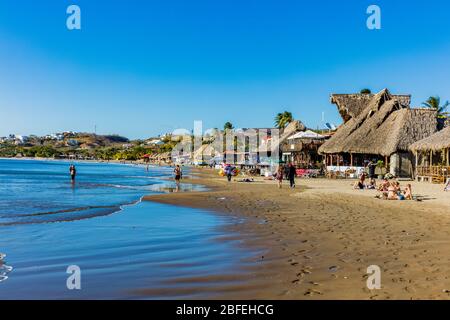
319, 238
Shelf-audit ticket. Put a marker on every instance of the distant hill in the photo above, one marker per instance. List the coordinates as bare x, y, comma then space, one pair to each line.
99, 140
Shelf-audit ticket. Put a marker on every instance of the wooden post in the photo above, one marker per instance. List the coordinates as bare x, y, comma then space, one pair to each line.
431, 158
417, 163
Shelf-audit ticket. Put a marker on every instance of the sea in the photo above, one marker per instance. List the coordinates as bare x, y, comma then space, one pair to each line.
96, 239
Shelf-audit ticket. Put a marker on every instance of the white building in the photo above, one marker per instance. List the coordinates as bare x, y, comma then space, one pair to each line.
155, 142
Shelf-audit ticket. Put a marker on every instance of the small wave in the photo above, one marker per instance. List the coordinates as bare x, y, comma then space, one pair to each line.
18, 215
65, 215
118, 186
4, 269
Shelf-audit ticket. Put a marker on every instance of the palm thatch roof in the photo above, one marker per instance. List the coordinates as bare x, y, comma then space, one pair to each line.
351, 105
292, 128
164, 156
384, 127
205, 151
436, 142
272, 144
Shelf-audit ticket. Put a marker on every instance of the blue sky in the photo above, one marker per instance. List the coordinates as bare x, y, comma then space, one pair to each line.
140, 68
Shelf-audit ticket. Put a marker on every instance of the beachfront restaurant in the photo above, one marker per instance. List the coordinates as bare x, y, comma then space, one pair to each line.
432, 157
301, 149
382, 131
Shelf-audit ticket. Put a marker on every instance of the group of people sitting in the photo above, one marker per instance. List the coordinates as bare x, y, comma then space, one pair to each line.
388, 189
391, 190
361, 183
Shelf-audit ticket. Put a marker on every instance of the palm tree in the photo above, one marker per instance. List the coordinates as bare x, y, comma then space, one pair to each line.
435, 103
228, 125
283, 119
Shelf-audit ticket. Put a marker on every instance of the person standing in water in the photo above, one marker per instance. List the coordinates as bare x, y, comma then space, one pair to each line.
73, 173
178, 175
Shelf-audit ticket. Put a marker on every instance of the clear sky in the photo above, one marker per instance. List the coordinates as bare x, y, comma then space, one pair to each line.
139, 68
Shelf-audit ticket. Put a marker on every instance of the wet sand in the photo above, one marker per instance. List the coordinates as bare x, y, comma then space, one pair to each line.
319, 238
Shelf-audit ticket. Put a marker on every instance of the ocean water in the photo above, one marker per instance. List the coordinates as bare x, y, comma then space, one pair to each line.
41, 191
125, 248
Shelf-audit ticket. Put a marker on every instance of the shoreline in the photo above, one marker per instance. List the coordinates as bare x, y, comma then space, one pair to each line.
320, 238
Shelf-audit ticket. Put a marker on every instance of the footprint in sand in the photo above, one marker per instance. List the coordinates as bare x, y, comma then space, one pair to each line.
303, 272
333, 268
311, 292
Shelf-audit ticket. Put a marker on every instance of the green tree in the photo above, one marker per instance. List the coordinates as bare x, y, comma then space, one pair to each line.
435, 104
283, 119
365, 91
228, 125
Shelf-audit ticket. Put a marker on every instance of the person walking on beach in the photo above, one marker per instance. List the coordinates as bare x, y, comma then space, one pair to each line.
228, 171
292, 174
286, 172
280, 174
178, 175
73, 173
371, 165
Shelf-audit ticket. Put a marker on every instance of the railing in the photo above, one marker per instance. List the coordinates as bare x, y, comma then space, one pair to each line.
442, 171
434, 174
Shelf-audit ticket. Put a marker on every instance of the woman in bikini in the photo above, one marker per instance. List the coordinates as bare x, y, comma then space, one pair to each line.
177, 172
280, 174
408, 192
392, 191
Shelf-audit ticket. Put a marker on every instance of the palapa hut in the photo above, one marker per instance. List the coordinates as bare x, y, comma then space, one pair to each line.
267, 151
382, 130
301, 149
433, 157
205, 154
291, 129
351, 105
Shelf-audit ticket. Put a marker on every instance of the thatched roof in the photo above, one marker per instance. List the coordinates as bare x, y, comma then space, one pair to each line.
351, 105
292, 128
384, 127
436, 142
204, 151
164, 155
272, 144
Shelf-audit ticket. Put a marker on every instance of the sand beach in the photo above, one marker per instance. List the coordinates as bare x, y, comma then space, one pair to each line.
320, 237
